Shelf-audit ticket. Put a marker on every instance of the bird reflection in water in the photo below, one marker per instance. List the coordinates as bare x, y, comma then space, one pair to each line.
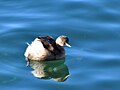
55, 69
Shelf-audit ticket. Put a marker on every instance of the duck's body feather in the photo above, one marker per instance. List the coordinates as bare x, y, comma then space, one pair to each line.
44, 48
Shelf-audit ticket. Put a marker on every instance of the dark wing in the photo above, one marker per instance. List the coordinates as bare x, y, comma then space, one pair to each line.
48, 42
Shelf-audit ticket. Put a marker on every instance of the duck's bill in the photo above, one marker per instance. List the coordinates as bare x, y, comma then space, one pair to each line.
68, 45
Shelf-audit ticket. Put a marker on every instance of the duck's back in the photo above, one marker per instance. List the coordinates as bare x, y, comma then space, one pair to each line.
50, 44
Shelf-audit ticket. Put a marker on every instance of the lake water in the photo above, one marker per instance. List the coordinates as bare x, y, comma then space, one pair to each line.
93, 27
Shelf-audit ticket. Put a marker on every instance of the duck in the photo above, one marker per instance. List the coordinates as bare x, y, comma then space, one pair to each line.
45, 48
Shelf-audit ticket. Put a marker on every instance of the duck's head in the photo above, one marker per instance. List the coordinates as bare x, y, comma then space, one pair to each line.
63, 41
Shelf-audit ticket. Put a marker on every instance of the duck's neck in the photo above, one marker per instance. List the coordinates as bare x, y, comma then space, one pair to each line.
60, 48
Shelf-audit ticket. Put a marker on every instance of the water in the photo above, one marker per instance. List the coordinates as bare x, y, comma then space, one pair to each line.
93, 26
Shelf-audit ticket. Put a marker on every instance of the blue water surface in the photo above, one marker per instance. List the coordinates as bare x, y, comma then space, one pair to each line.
93, 27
